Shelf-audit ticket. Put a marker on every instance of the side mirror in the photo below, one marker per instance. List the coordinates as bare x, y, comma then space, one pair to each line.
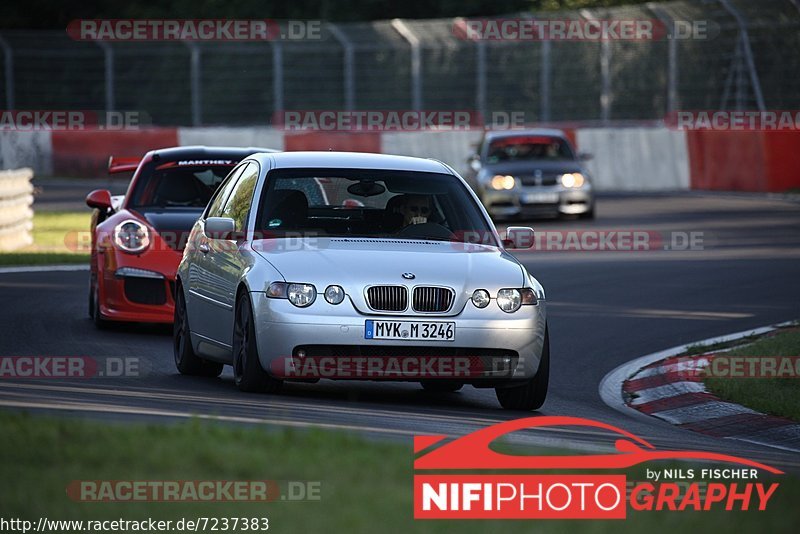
519, 237
100, 199
474, 162
585, 156
219, 227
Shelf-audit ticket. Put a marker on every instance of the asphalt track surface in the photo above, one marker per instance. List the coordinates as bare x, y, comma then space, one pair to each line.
604, 308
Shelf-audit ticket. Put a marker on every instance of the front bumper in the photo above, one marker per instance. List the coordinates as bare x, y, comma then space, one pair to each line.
283, 331
137, 288
531, 201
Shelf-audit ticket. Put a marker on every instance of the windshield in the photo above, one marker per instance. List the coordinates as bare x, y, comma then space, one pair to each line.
528, 148
371, 203
179, 184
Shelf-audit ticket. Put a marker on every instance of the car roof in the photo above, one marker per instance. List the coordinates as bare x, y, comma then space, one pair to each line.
352, 160
206, 152
497, 134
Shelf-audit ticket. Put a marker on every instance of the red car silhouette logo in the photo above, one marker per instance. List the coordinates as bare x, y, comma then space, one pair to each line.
473, 450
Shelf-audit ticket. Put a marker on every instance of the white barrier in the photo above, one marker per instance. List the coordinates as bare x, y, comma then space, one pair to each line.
255, 137
452, 148
625, 158
636, 159
16, 215
27, 149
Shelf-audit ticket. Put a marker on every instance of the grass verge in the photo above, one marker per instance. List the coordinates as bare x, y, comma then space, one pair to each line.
56, 236
775, 396
366, 486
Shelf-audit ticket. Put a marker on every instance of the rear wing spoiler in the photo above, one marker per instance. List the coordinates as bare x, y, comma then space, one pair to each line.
122, 164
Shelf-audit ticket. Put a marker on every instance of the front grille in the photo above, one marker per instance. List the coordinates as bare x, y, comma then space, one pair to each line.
145, 290
432, 299
547, 179
387, 298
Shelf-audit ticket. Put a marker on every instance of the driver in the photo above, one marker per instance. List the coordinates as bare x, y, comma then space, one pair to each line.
415, 209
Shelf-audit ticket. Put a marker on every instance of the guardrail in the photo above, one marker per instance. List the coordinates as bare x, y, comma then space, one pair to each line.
16, 214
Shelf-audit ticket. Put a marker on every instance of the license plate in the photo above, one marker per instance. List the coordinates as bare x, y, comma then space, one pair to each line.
540, 198
410, 330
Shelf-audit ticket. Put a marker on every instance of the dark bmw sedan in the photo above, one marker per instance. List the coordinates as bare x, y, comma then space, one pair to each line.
530, 173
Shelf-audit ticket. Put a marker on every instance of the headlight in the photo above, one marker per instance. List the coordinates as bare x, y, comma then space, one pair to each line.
509, 300
334, 294
502, 182
131, 236
301, 295
572, 179
480, 298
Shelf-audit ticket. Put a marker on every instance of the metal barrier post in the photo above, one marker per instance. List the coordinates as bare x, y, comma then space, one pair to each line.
194, 81
747, 52
108, 63
8, 60
480, 81
349, 66
606, 96
544, 81
277, 76
416, 62
672, 57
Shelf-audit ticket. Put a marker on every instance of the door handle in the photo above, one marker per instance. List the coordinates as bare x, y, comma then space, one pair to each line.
203, 248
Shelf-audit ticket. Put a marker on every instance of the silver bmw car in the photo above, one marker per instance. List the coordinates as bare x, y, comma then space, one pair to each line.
331, 265
531, 173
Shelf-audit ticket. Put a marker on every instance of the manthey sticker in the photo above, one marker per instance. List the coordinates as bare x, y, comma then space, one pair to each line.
466, 479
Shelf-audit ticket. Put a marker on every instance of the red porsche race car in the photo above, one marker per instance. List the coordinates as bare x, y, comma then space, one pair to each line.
138, 239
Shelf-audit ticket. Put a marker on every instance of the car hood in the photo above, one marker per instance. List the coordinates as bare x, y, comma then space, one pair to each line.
355, 263
173, 225
515, 168
171, 220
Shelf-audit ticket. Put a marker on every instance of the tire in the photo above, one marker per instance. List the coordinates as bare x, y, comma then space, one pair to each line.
588, 215
97, 316
441, 386
248, 374
186, 360
530, 395
91, 297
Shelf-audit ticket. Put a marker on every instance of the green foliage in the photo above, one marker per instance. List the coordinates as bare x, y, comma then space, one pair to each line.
775, 396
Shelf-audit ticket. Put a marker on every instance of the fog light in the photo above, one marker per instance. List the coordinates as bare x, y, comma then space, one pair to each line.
334, 294
480, 298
